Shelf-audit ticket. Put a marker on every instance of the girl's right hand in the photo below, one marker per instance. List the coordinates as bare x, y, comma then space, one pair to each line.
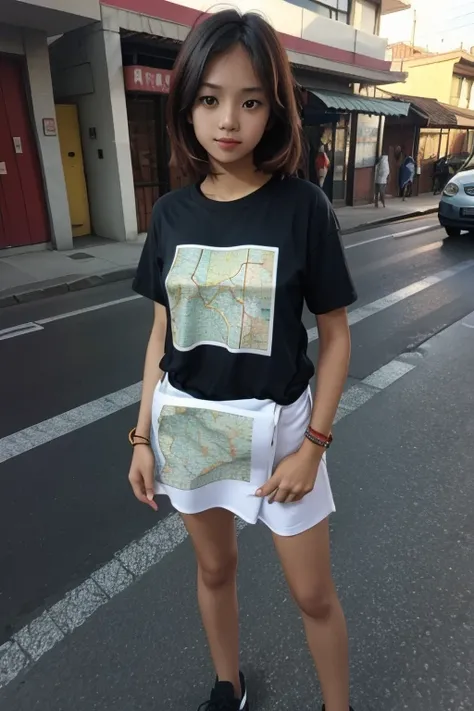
142, 475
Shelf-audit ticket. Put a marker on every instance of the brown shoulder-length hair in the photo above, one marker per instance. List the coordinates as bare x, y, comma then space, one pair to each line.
280, 150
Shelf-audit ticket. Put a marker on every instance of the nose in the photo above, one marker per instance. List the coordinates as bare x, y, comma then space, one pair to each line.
229, 120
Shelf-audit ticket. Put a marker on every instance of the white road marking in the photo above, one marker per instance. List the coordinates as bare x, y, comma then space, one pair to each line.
363, 312
19, 330
42, 634
87, 309
20, 442
25, 328
396, 235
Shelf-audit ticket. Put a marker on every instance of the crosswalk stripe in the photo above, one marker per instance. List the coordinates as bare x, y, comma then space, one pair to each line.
23, 441
363, 312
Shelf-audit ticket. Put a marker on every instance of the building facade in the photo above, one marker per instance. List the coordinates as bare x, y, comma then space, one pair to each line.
447, 77
103, 153
34, 207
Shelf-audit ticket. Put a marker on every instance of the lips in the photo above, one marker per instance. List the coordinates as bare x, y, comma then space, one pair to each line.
228, 141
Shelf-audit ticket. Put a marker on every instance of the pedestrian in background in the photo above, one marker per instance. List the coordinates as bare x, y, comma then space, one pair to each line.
382, 171
322, 165
226, 411
406, 176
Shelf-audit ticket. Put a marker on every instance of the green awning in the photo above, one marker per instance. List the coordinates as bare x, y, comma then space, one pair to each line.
361, 104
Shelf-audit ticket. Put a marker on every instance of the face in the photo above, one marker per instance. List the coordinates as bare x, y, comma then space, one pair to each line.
231, 111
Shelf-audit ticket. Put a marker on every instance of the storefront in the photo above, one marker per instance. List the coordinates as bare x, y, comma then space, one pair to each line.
146, 92
350, 128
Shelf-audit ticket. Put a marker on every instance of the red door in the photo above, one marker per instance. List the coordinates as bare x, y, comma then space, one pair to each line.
23, 217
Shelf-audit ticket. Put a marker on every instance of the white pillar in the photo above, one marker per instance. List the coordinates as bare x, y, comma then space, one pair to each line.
113, 54
42, 101
100, 95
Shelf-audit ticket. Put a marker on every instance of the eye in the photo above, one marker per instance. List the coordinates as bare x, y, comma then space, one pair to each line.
208, 100
252, 104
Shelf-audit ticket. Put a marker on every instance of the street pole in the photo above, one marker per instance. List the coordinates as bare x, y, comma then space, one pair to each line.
413, 30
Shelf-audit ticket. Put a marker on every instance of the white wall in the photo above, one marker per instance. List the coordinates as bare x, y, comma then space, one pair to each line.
87, 70
42, 103
301, 22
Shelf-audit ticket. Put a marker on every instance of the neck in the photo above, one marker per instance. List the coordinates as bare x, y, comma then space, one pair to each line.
231, 182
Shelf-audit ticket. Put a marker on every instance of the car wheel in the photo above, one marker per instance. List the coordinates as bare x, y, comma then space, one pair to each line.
452, 231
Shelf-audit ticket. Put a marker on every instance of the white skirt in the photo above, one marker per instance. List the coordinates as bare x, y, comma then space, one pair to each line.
217, 454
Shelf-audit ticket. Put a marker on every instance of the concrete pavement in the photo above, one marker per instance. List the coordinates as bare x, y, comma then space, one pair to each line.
93, 262
361, 217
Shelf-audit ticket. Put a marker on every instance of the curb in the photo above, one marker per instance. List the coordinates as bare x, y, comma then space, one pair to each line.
389, 220
25, 297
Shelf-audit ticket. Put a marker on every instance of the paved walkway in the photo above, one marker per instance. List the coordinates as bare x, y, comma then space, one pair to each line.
357, 218
94, 261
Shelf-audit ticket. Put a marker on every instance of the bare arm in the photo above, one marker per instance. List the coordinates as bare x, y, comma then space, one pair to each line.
152, 372
295, 475
332, 368
142, 468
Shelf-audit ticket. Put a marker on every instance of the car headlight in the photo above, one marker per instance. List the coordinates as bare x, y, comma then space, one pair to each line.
451, 189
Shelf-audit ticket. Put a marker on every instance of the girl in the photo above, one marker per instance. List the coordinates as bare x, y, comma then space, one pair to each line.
226, 409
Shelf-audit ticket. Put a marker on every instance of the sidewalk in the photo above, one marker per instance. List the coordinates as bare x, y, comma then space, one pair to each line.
95, 261
354, 219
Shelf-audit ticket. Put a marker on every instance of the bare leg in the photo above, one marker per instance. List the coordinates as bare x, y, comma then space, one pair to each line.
215, 543
382, 194
376, 197
306, 562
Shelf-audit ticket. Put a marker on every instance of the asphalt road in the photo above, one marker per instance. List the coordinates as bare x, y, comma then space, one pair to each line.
400, 476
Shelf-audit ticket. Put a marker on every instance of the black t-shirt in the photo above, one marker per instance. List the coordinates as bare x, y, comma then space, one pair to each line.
234, 277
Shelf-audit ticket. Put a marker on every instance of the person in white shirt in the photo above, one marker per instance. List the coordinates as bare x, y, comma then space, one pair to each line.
382, 171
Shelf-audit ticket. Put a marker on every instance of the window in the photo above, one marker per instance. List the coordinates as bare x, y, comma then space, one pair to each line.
365, 16
468, 93
334, 9
456, 86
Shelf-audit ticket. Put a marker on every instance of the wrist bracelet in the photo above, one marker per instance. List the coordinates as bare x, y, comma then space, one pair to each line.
132, 436
318, 435
325, 443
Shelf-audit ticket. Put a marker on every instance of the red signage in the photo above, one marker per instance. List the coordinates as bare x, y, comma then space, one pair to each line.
149, 79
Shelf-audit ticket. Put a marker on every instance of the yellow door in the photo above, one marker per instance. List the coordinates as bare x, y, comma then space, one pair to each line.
73, 166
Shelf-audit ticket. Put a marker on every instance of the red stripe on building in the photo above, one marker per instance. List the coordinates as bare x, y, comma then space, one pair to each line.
187, 16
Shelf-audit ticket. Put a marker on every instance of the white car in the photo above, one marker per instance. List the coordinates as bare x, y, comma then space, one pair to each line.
456, 208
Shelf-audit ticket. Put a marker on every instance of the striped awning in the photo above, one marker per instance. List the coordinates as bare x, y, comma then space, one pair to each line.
339, 101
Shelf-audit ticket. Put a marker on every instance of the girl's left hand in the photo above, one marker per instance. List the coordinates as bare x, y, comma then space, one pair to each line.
293, 478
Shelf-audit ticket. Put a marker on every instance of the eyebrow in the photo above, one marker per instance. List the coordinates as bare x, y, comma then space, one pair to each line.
249, 89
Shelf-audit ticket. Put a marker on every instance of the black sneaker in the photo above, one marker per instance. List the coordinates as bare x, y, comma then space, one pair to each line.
223, 697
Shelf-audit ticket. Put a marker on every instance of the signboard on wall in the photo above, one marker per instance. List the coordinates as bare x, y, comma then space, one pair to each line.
148, 79
367, 137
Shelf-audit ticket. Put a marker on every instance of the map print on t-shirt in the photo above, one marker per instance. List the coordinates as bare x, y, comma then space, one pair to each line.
201, 446
223, 297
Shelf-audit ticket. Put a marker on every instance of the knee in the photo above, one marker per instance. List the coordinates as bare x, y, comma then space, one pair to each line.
316, 603
216, 573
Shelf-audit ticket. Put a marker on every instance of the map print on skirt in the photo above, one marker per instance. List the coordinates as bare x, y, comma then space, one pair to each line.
203, 446
223, 297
